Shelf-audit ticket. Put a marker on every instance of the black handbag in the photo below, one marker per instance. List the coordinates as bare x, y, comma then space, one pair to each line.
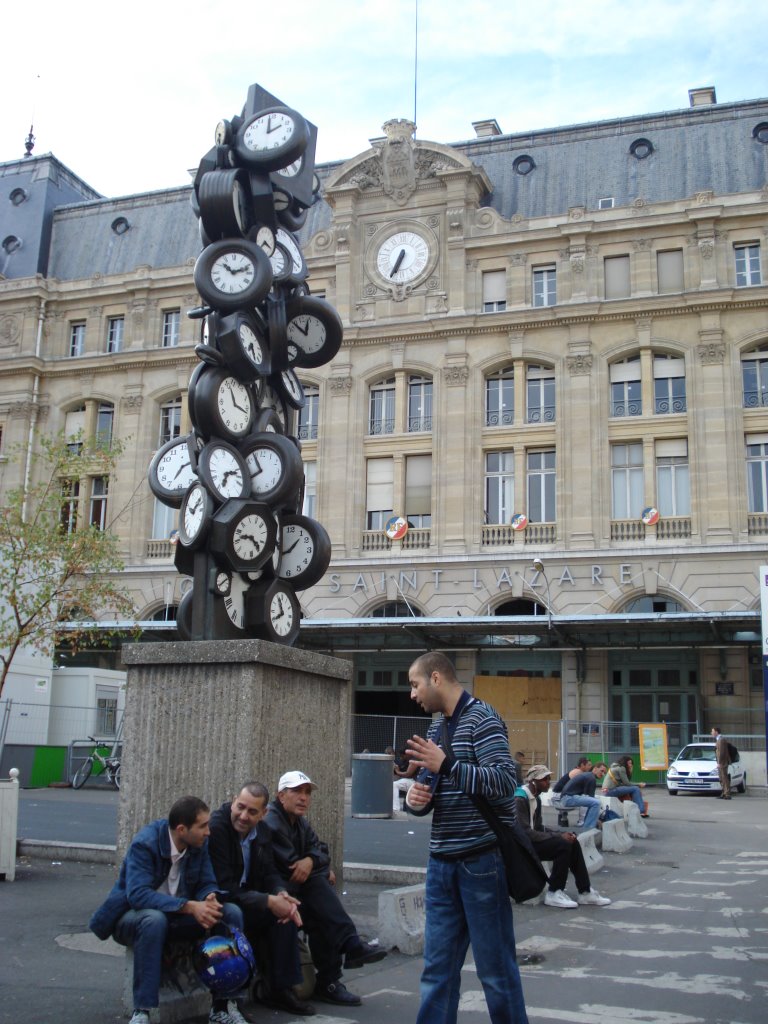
526, 876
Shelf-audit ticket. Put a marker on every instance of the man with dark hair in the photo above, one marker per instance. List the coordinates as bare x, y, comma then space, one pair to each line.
241, 853
467, 898
305, 866
166, 891
723, 760
579, 791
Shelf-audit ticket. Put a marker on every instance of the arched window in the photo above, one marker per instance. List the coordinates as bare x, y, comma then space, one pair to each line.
626, 389
500, 398
540, 391
419, 404
381, 419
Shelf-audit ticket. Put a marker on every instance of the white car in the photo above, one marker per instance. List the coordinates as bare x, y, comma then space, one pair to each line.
694, 770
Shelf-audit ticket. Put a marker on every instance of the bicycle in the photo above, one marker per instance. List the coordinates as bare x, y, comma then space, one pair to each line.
109, 765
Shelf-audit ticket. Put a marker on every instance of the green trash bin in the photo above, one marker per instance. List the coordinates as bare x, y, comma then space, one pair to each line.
372, 778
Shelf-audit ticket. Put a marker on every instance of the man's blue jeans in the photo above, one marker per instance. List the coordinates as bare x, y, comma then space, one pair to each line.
468, 902
147, 931
591, 803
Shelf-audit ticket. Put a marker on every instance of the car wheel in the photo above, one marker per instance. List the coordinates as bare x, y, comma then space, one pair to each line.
742, 786
672, 792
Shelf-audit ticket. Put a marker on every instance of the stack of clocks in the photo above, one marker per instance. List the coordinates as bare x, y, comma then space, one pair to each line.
238, 478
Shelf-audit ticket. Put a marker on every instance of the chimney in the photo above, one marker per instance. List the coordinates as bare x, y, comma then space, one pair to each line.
485, 129
701, 97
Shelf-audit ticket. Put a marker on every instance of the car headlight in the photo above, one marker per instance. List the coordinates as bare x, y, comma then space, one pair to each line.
672, 773
714, 774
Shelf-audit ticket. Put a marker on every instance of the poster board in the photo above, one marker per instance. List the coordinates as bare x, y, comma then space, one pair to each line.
653, 747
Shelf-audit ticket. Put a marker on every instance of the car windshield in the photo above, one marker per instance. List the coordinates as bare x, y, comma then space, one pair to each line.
696, 754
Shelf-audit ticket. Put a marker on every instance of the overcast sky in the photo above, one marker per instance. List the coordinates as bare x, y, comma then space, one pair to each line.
128, 96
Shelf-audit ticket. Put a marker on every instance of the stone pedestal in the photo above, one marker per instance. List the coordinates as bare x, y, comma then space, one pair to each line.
203, 717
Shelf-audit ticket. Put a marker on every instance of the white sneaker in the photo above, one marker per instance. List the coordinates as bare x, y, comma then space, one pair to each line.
229, 1016
593, 898
559, 898
234, 1013
139, 1017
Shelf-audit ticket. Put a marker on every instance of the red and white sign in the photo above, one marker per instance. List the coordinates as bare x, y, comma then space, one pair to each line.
396, 527
519, 521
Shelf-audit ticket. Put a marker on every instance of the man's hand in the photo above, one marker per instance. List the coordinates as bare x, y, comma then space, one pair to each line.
425, 754
301, 870
207, 912
418, 795
570, 836
285, 908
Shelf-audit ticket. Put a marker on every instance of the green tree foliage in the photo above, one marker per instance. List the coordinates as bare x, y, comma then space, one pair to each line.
55, 568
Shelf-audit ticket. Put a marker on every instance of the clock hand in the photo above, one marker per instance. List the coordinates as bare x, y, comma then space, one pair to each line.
252, 539
282, 609
234, 400
304, 331
398, 261
228, 473
193, 508
270, 129
181, 469
287, 551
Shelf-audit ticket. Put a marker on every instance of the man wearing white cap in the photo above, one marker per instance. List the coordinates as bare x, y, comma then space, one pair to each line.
305, 864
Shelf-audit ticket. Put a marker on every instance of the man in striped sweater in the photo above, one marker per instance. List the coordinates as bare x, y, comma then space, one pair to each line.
466, 896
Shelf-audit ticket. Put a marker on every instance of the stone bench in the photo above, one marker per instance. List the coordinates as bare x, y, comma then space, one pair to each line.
614, 836
630, 812
402, 917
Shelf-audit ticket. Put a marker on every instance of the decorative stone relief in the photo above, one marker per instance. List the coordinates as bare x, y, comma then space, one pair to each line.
340, 386
455, 222
455, 376
703, 198
707, 248
577, 262
95, 310
437, 303
132, 403
579, 365
642, 244
24, 409
10, 329
322, 240
711, 353
576, 212
342, 238
485, 218
518, 259
364, 311
137, 310
370, 290
432, 283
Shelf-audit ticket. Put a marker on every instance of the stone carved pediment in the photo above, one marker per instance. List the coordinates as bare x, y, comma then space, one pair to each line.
397, 163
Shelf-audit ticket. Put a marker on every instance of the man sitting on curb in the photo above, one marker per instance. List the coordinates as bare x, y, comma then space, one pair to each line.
305, 866
241, 854
562, 848
166, 891
579, 791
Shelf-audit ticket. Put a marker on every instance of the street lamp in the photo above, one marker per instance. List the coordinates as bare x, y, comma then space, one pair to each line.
538, 567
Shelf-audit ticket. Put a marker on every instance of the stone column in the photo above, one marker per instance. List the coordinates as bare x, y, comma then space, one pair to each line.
203, 717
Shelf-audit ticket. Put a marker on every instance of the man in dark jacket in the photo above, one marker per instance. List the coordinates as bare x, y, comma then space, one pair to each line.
166, 891
305, 866
241, 854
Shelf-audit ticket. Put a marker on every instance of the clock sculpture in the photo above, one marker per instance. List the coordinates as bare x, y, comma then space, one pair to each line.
238, 478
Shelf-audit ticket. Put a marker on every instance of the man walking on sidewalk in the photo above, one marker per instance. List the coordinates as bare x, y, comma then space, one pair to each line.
467, 896
723, 760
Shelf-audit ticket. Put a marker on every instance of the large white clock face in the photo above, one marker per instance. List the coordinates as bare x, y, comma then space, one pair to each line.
269, 132
251, 345
174, 470
249, 537
285, 239
234, 601
266, 468
402, 257
232, 272
234, 404
307, 333
194, 511
281, 614
226, 473
298, 548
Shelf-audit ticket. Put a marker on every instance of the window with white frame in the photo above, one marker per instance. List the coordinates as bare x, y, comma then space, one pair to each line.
419, 404
76, 339
70, 504
617, 280
164, 521
170, 420
500, 398
105, 420
418, 491
747, 258
627, 489
74, 427
115, 331
309, 504
540, 394
494, 291
626, 390
307, 427
98, 508
754, 379
541, 486
544, 286
381, 419
669, 271
171, 327
106, 710
757, 472
379, 492
668, 385
499, 487
673, 484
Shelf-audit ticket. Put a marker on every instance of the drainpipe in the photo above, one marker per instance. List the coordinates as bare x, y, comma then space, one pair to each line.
35, 409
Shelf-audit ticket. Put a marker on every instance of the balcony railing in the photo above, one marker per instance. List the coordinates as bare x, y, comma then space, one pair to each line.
757, 523
160, 549
417, 538
540, 533
673, 528
377, 426
376, 540
627, 529
497, 535
418, 424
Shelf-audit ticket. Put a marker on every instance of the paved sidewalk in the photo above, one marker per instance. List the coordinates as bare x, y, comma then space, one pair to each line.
684, 941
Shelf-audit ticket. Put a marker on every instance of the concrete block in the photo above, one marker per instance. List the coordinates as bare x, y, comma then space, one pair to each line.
616, 839
632, 819
612, 803
592, 856
402, 917
182, 995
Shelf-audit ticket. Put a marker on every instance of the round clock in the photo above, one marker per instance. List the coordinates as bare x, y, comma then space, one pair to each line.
223, 406
272, 611
291, 387
222, 583
272, 400
281, 263
243, 535
234, 601
171, 472
242, 341
298, 269
272, 138
223, 471
222, 136
305, 551
403, 257
195, 516
275, 467
232, 274
314, 331
224, 198
264, 237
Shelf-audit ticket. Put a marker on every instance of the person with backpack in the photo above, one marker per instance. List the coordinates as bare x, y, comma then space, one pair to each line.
723, 757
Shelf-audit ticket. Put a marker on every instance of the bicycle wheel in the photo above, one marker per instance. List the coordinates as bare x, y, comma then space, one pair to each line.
116, 777
82, 774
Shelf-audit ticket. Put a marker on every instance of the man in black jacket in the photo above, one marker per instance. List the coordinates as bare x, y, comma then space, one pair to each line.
241, 854
304, 863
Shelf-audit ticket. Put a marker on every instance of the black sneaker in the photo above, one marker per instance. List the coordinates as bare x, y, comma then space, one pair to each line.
336, 993
562, 819
288, 1000
365, 953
